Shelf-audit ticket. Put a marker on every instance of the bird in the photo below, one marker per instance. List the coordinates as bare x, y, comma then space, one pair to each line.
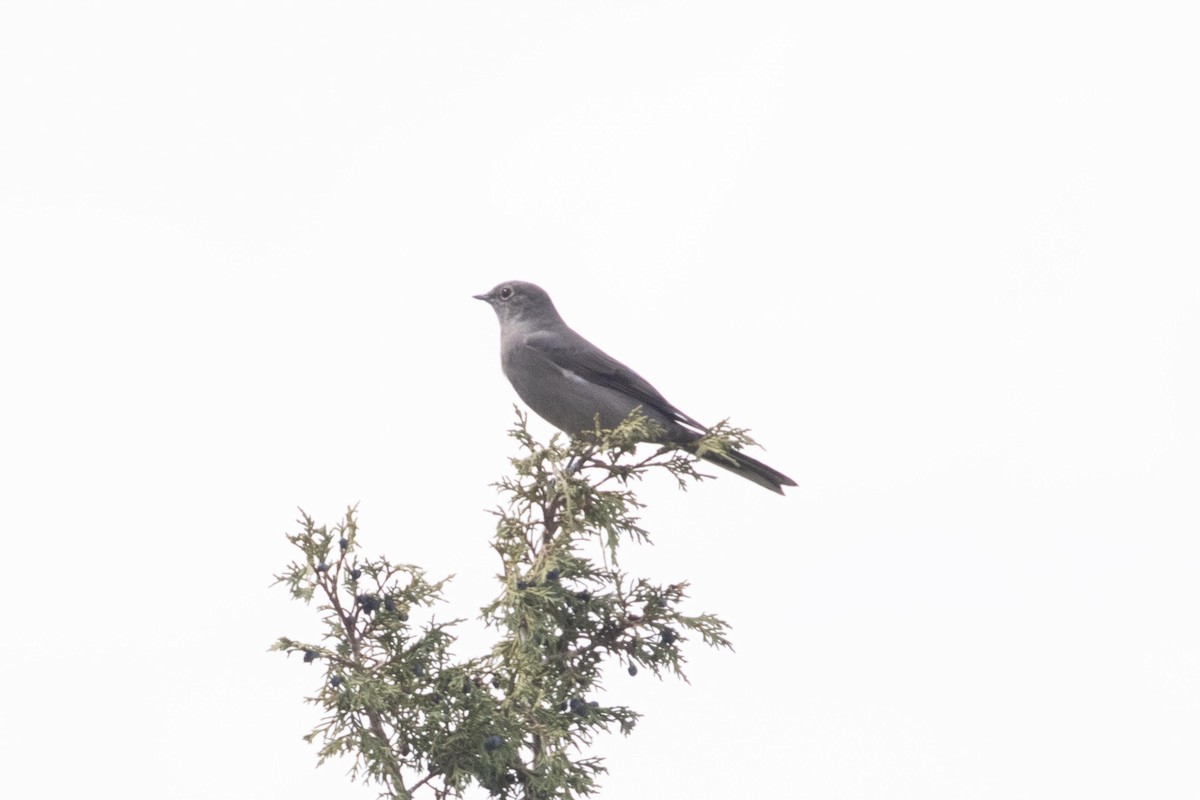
570, 382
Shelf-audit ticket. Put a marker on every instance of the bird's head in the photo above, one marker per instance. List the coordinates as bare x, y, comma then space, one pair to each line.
514, 301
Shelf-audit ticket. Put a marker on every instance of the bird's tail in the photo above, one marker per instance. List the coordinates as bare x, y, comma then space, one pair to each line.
751, 469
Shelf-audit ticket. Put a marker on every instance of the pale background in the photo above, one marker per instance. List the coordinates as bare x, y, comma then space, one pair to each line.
941, 258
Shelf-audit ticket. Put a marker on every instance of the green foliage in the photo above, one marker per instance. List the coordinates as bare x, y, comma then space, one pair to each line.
517, 720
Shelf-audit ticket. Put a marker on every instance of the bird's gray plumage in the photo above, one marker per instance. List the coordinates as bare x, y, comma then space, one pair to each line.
568, 381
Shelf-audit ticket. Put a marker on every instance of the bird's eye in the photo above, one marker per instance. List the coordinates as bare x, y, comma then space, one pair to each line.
506, 293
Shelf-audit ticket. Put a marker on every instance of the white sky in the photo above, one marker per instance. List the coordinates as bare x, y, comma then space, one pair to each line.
942, 259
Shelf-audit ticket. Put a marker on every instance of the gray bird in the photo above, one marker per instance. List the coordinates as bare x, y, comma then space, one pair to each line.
567, 380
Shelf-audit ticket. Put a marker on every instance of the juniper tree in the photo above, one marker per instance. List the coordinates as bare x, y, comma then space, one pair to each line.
415, 718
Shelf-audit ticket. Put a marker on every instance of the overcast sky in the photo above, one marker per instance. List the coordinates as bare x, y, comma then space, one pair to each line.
941, 258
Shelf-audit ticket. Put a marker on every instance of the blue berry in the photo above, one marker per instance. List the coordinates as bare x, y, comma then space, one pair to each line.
336, 681
632, 669
492, 743
343, 542
668, 636
655, 604
322, 567
355, 574
552, 575
309, 656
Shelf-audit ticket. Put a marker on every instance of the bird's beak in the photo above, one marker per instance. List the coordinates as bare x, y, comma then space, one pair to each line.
482, 297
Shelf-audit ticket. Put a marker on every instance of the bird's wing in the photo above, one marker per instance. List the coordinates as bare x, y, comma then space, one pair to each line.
575, 354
